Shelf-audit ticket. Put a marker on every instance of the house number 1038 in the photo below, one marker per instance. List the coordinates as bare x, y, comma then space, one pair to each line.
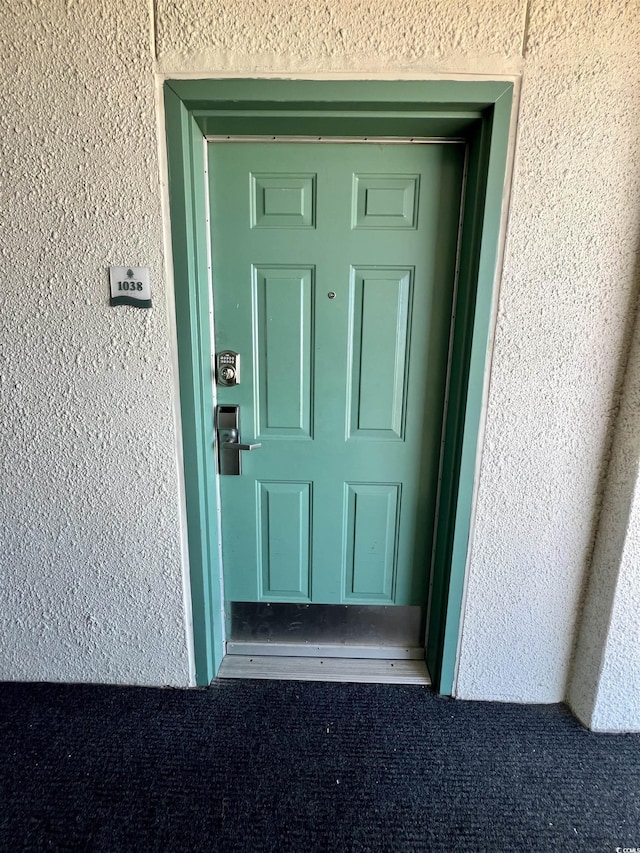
130, 286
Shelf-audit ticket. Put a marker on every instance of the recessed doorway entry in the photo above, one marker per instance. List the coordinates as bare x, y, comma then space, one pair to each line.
327, 404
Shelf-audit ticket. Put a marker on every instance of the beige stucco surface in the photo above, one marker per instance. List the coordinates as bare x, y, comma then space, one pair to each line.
91, 547
90, 543
565, 302
604, 687
356, 36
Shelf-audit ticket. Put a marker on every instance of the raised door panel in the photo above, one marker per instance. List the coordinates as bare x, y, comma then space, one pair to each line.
283, 300
385, 201
284, 536
372, 512
380, 312
283, 200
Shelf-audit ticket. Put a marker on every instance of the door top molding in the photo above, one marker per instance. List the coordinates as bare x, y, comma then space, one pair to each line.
340, 109
465, 94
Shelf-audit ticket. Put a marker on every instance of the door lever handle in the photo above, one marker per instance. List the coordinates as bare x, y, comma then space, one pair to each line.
233, 442
228, 440
235, 445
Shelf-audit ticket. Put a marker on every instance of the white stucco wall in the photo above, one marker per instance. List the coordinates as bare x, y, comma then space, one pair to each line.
573, 237
366, 37
91, 596
90, 544
605, 681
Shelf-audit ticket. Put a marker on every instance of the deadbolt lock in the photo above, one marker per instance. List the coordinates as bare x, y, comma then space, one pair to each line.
228, 368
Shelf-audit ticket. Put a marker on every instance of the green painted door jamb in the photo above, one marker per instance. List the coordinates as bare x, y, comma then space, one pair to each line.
189, 248
478, 111
479, 255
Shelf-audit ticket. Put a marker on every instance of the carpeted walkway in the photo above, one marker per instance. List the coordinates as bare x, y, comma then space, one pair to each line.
287, 766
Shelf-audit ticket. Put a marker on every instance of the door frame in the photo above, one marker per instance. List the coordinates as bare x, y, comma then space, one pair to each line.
478, 112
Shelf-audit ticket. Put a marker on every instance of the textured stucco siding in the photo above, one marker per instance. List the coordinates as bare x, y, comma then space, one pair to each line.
91, 540
90, 545
563, 315
357, 36
605, 681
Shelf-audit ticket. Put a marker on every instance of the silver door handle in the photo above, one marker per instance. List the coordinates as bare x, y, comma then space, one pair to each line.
228, 440
233, 442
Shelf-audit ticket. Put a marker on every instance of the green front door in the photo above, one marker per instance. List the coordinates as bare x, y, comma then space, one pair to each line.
333, 268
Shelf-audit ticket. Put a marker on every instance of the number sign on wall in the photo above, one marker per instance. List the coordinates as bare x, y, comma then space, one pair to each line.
130, 286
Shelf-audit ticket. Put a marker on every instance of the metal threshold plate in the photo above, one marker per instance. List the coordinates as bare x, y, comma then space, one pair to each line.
366, 671
327, 630
327, 650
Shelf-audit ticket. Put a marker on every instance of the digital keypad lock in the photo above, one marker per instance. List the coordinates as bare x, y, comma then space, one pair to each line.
228, 368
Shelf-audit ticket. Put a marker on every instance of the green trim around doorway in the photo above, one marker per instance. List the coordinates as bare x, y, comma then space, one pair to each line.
478, 112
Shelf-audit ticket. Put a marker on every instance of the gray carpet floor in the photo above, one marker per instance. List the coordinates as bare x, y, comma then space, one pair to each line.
288, 766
